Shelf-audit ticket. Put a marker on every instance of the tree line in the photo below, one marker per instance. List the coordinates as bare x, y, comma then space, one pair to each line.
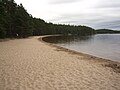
106, 31
15, 21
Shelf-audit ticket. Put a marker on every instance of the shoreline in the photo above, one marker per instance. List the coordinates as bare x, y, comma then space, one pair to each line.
32, 64
74, 51
115, 65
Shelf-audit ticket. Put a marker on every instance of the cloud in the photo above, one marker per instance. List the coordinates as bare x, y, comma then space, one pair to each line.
95, 20
104, 14
113, 24
62, 1
94, 13
108, 4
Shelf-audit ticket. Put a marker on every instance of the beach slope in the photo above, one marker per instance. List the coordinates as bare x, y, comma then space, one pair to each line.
30, 64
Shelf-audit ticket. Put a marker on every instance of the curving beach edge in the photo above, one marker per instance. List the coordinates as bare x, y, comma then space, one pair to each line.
32, 64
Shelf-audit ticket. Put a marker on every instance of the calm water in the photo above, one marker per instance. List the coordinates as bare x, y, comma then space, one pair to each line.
100, 45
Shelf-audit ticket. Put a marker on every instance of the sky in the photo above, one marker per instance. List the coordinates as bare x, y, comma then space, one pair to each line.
94, 13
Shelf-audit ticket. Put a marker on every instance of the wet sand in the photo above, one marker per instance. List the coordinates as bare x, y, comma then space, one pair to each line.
31, 64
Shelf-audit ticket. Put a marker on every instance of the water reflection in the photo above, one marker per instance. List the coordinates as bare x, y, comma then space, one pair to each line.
67, 39
100, 45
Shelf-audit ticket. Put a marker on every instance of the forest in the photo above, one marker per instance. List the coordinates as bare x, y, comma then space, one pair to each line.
16, 22
106, 31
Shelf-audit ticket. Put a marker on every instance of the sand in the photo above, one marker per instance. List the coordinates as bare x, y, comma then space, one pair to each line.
30, 64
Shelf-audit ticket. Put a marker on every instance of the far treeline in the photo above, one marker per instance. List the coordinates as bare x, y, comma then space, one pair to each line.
106, 31
15, 21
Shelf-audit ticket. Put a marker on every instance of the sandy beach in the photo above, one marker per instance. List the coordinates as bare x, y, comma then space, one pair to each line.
31, 64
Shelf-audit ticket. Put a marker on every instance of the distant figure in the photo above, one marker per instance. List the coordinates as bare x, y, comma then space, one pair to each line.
16, 34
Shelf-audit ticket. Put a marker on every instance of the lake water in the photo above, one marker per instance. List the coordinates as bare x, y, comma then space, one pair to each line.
101, 45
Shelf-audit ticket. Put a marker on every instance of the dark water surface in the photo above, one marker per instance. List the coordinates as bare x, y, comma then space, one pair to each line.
101, 45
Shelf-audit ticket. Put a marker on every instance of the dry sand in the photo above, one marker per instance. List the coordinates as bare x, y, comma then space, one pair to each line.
30, 64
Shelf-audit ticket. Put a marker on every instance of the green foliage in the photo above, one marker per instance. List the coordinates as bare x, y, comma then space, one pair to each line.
16, 22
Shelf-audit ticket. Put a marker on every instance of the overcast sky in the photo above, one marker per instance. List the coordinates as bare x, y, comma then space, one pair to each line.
94, 13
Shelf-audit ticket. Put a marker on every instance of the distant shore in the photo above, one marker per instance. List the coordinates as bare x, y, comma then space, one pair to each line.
34, 64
